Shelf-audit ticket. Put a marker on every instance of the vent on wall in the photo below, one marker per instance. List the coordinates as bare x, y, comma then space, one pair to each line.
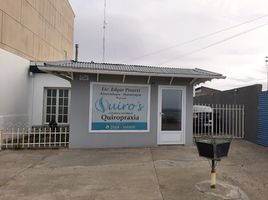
83, 77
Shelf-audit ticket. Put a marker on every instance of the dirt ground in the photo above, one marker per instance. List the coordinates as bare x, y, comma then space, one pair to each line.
166, 172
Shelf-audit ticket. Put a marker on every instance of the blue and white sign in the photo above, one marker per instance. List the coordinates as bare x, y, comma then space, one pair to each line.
119, 107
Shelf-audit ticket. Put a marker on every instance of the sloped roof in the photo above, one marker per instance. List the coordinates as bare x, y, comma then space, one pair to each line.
123, 69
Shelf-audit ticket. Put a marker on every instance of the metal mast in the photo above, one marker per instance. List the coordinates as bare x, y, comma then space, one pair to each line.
104, 27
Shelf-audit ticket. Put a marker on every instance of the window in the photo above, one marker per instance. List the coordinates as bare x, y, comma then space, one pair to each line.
57, 105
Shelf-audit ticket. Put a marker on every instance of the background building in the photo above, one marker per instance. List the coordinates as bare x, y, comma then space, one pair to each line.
31, 30
201, 91
247, 96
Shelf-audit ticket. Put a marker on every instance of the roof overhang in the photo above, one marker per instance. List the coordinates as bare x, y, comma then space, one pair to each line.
67, 73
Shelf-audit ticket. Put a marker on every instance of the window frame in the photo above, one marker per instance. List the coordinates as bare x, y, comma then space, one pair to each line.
57, 104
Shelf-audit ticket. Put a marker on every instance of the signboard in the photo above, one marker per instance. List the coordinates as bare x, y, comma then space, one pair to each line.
119, 107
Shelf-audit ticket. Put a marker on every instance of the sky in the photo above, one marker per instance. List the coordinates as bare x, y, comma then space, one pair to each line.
158, 33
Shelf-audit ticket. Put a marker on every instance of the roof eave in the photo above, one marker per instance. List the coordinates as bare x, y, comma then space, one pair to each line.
64, 69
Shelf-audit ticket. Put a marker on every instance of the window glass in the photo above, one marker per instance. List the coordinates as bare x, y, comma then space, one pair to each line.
48, 101
65, 101
60, 110
48, 92
65, 110
47, 118
65, 118
57, 105
61, 93
171, 109
54, 109
66, 93
60, 101
54, 93
60, 119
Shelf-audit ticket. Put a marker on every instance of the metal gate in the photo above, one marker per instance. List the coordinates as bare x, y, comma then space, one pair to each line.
262, 135
218, 120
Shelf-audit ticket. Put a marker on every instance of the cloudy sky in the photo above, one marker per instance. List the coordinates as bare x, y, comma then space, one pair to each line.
161, 33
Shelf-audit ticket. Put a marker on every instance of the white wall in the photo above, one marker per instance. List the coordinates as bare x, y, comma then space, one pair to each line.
40, 82
14, 90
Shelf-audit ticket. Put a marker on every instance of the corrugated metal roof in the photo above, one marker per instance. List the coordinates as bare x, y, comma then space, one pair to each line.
123, 68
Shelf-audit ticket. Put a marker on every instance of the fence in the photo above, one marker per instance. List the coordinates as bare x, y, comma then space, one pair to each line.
262, 134
219, 120
27, 138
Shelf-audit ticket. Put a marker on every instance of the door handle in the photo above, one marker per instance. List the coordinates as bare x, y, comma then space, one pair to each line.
162, 113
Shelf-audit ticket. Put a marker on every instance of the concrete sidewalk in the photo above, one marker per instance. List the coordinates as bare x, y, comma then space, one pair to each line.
169, 173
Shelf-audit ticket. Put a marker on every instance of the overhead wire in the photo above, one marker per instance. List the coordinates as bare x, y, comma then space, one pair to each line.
197, 38
216, 43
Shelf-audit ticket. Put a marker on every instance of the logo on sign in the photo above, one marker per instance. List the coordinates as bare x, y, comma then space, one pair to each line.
103, 105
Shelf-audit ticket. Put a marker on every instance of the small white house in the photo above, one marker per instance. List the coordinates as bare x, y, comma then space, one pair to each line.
50, 99
117, 105
23, 93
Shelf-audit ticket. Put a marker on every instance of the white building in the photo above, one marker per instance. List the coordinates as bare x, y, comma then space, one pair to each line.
32, 30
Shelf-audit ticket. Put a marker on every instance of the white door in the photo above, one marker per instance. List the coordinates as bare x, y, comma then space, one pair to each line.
171, 114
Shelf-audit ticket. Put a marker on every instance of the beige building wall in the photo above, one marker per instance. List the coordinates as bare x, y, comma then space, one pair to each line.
37, 29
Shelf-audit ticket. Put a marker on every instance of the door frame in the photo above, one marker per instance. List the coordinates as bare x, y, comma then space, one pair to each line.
183, 121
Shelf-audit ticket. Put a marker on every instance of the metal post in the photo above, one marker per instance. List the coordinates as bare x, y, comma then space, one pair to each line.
243, 121
213, 120
23, 135
226, 118
76, 53
217, 119
236, 110
39, 137
222, 119
12, 138
45, 135
34, 138
213, 174
49, 143
29, 135
213, 166
0, 139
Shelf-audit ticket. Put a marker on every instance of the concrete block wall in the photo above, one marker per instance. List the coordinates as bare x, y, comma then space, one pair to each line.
37, 29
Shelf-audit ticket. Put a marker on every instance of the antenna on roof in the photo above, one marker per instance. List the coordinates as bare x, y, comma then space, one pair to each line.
104, 27
65, 54
76, 53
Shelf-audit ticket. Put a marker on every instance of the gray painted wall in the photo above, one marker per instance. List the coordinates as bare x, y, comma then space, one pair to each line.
248, 96
189, 115
79, 115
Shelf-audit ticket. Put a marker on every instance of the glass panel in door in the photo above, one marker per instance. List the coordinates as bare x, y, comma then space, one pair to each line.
171, 113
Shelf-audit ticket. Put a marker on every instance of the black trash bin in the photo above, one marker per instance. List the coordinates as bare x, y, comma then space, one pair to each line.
214, 149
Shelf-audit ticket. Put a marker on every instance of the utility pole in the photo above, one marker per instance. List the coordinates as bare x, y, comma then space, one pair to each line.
104, 27
266, 62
